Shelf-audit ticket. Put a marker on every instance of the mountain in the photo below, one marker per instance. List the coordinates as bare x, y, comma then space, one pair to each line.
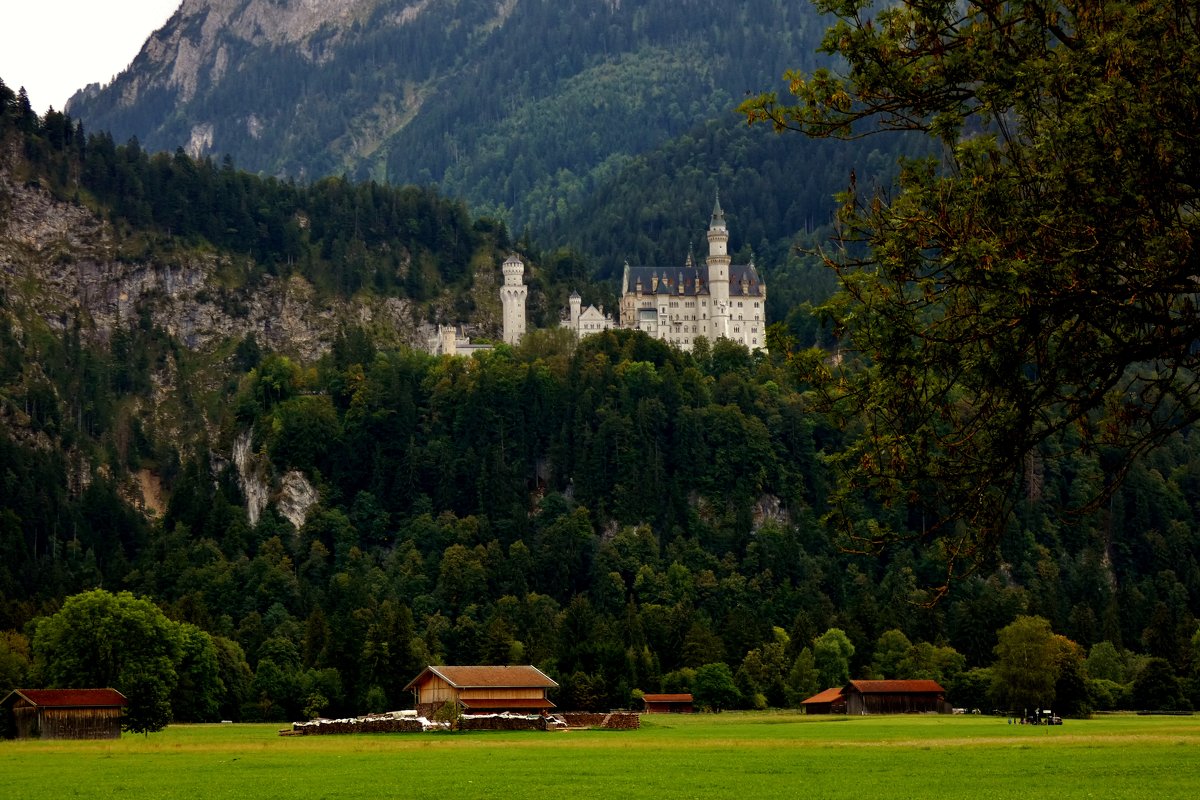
520, 107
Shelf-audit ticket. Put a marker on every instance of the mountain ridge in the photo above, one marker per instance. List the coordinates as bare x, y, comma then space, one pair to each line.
517, 106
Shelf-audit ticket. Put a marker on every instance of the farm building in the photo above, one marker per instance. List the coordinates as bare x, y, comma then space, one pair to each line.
63, 713
668, 703
481, 689
895, 697
830, 701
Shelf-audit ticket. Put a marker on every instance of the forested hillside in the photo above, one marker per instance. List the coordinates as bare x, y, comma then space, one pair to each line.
623, 515
520, 108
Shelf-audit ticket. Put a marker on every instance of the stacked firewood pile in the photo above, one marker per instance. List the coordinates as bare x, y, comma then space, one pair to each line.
372, 723
616, 720
502, 722
408, 722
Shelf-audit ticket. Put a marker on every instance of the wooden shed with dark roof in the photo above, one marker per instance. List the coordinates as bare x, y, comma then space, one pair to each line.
63, 713
895, 697
481, 689
668, 703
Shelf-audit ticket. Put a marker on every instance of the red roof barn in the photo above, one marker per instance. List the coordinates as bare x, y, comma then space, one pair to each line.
830, 701
895, 697
668, 703
517, 688
63, 713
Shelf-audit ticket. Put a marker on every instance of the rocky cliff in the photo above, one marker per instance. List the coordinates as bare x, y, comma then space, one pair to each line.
58, 258
63, 265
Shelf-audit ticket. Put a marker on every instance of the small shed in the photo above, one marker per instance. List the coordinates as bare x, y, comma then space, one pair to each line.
895, 697
481, 689
63, 713
830, 701
668, 703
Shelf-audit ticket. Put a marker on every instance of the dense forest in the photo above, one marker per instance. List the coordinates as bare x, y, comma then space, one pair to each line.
620, 513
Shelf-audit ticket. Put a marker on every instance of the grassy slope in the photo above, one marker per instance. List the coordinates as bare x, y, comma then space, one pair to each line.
731, 755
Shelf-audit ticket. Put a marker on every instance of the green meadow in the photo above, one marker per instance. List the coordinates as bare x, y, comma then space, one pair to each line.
703, 756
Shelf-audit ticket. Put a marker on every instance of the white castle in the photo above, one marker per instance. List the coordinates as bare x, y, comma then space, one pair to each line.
716, 300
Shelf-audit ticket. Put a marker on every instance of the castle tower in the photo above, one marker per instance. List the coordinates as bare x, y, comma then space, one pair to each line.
718, 270
512, 297
576, 307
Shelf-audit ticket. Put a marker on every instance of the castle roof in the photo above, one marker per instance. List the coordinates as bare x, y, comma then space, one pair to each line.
718, 216
667, 280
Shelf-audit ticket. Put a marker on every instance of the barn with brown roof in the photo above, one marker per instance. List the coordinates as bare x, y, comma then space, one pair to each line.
63, 713
895, 697
830, 701
668, 703
481, 689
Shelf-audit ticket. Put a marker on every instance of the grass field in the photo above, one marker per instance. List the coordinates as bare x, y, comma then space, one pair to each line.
742, 756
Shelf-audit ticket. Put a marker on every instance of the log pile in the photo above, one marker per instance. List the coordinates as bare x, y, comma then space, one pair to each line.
372, 723
408, 722
502, 722
616, 720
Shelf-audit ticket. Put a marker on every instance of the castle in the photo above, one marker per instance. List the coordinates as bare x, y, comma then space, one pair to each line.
718, 299
715, 300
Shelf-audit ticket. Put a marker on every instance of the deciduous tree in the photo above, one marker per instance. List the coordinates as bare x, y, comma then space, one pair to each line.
713, 686
832, 651
1041, 276
118, 640
1026, 667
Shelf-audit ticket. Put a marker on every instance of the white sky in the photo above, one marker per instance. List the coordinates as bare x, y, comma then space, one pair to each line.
53, 47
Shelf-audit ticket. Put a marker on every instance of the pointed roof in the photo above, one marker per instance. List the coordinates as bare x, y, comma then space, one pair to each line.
718, 216
68, 698
828, 696
894, 686
684, 697
511, 677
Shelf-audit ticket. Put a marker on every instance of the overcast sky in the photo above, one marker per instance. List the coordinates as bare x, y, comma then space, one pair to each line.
53, 47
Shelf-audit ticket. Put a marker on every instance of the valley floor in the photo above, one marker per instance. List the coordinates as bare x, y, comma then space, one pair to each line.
730, 755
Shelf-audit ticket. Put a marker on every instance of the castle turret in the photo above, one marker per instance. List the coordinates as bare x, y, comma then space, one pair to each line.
718, 270
576, 306
512, 297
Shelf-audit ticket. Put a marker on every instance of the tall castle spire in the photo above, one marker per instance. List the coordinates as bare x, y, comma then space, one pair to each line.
718, 216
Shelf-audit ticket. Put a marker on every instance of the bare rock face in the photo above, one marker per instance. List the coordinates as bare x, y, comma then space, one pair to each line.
62, 264
61, 259
296, 497
253, 476
191, 48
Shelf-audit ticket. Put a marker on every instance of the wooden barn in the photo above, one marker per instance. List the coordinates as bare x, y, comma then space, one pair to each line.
63, 713
830, 701
895, 697
481, 689
668, 703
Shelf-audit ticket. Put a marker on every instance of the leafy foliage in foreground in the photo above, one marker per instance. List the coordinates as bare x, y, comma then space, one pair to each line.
1041, 288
